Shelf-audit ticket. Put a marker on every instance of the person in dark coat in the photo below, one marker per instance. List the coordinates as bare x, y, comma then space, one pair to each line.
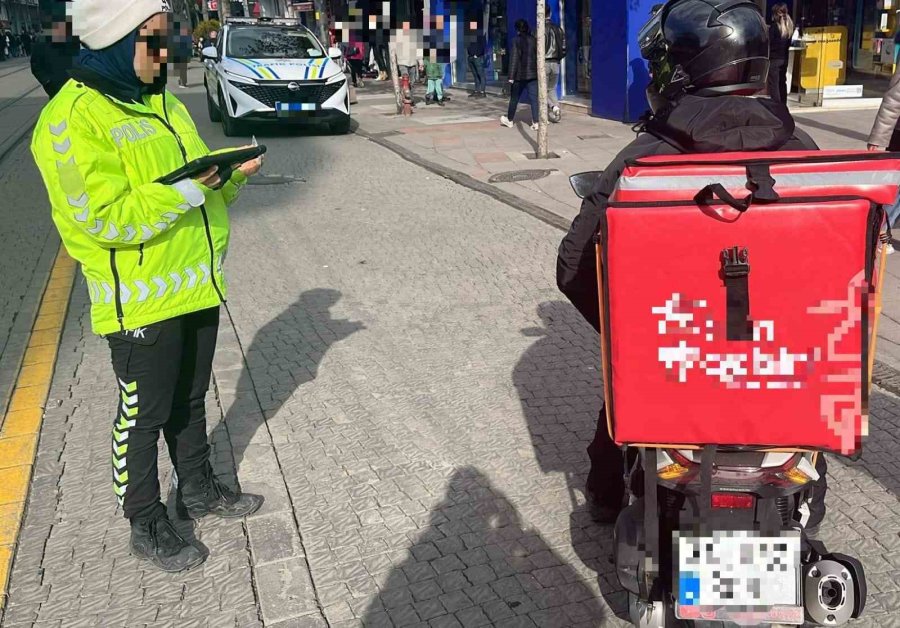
703, 116
781, 31
522, 74
53, 55
476, 47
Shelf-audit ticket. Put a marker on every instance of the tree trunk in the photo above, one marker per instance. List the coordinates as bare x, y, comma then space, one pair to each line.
543, 148
395, 77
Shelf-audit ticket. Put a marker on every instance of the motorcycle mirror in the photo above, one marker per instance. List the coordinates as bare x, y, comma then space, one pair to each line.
583, 182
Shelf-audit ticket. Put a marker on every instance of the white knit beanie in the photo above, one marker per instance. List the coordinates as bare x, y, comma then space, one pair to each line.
101, 23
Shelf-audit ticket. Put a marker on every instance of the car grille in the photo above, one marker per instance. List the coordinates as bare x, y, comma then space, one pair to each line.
315, 93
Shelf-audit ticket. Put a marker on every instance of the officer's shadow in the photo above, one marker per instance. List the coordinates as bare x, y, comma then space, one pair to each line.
559, 381
284, 355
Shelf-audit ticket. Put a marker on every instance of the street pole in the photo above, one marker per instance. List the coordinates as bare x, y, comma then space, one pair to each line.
322, 22
543, 148
224, 10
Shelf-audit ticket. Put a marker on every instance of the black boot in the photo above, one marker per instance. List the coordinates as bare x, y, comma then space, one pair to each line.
157, 541
205, 495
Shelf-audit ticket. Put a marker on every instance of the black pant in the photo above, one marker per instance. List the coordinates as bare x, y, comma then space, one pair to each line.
163, 372
476, 64
356, 69
606, 477
382, 58
515, 94
776, 83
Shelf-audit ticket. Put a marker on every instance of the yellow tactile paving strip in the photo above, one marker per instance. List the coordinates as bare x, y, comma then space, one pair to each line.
21, 426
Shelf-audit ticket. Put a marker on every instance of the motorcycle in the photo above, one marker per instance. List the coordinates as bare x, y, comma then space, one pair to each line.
717, 536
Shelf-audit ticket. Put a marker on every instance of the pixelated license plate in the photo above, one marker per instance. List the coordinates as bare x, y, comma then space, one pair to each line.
287, 109
739, 576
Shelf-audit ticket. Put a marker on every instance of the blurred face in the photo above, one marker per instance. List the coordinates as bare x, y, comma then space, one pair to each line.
61, 32
151, 50
473, 26
405, 26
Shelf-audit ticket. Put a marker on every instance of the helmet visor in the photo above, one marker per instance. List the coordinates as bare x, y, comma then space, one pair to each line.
650, 37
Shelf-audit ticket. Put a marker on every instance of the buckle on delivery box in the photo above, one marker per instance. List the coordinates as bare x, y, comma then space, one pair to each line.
736, 262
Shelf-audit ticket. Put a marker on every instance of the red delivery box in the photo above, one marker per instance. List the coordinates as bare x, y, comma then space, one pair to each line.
739, 297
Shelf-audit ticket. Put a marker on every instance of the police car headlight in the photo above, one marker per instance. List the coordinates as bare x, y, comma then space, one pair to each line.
337, 78
238, 78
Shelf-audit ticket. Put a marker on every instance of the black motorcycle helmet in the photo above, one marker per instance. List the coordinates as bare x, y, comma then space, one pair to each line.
705, 47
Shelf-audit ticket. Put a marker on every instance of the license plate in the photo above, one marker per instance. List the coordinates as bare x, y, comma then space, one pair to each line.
739, 576
291, 108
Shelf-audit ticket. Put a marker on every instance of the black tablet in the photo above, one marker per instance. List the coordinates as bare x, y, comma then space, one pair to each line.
225, 160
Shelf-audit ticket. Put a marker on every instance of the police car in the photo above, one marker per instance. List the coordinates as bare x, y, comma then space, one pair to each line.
274, 69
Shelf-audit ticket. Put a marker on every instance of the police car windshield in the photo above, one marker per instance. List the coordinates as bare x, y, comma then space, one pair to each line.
256, 42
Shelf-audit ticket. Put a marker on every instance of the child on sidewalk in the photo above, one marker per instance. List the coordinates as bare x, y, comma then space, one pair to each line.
435, 75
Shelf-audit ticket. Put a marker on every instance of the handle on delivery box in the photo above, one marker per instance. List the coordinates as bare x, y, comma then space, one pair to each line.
759, 182
717, 190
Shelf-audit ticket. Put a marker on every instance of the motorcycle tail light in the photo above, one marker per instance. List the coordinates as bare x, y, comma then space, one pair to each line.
796, 476
672, 472
732, 500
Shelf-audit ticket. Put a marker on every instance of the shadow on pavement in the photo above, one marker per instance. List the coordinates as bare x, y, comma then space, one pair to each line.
558, 380
477, 560
284, 355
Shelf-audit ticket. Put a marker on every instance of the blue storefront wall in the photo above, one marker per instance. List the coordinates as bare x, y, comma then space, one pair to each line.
619, 76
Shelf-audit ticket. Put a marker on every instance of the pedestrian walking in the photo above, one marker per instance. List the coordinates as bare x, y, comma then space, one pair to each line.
27, 41
476, 47
434, 73
182, 43
781, 32
886, 133
522, 74
354, 52
152, 257
555, 52
378, 44
407, 45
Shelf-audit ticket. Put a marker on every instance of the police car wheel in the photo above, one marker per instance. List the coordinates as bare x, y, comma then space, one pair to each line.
342, 126
230, 126
214, 114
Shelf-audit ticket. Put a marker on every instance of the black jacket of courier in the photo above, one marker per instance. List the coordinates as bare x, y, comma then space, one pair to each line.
695, 125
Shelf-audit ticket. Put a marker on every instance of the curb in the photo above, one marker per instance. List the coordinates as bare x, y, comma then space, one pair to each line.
886, 377
536, 211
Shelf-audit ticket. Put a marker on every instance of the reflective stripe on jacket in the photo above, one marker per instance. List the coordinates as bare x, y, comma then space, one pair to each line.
148, 251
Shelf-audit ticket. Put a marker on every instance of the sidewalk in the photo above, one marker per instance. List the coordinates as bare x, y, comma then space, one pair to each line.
464, 141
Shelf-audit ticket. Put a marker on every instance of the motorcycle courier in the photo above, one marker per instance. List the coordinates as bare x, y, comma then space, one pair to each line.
733, 271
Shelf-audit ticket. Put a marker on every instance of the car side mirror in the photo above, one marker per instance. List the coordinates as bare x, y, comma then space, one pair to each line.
583, 183
335, 53
210, 53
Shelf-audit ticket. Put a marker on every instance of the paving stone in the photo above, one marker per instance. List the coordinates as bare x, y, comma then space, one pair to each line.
285, 590
274, 537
